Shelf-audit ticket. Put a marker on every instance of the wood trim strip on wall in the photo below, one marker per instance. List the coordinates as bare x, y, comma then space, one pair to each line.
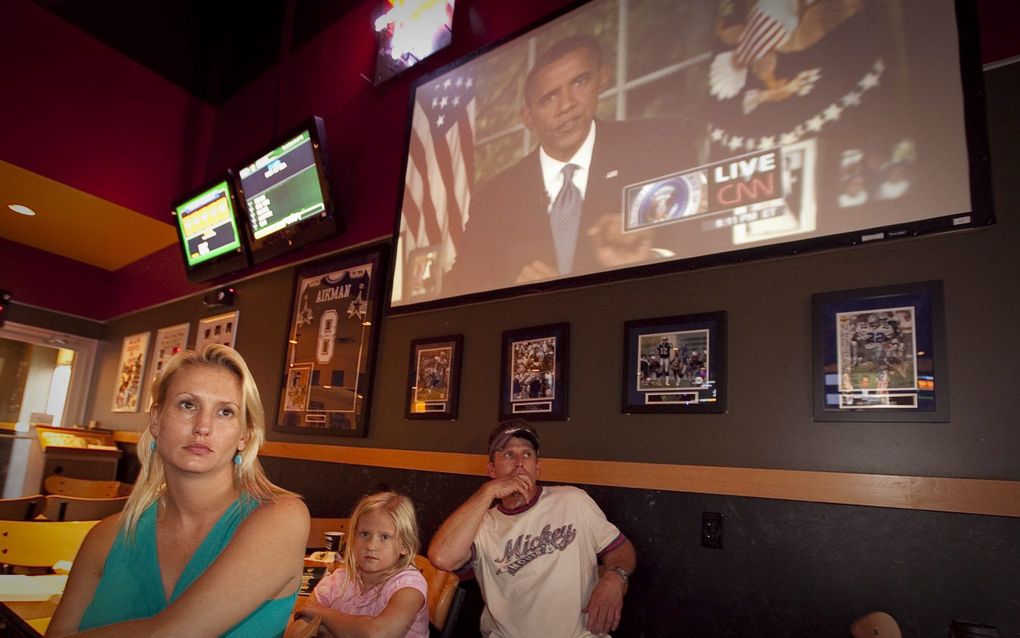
959, 495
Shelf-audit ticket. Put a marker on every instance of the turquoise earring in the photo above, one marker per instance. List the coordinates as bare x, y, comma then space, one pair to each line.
237, 459
152, 445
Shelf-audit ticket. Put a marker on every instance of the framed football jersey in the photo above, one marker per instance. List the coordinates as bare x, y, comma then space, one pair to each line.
327, 377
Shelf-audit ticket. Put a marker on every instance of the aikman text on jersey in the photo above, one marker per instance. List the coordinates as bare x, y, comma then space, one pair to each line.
527, 548
336, 292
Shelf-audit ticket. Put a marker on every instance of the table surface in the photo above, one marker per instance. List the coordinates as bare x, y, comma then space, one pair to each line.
32, 618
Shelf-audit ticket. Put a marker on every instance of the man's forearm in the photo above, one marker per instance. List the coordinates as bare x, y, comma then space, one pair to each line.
622, 556
451, 544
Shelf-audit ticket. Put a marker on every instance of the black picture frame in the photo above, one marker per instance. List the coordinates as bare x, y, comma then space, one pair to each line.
332, 342
690, 381
534, 373
433, 377
880, 354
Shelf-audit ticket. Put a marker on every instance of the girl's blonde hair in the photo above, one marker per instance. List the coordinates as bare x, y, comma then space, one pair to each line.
249, 477
401, 510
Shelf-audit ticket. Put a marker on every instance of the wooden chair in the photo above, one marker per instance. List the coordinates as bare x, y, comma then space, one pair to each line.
22, 509
41, 543
73, 508
84, 488
319, 526
877, 624
445, 597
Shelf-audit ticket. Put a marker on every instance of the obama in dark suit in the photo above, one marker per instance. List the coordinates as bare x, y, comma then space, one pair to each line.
516, 232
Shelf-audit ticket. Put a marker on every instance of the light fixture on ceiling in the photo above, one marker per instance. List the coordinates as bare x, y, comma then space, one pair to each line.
22, 210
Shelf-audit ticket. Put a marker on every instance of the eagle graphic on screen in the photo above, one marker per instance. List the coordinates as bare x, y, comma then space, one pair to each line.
768, 30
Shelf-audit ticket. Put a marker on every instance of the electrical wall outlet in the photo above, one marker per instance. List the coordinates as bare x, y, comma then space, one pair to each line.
711, 530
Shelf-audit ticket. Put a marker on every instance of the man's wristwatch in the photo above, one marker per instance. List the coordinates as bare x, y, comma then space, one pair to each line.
621, 572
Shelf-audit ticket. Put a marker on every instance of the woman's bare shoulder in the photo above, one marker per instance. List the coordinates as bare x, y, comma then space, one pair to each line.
101, 536
283, 510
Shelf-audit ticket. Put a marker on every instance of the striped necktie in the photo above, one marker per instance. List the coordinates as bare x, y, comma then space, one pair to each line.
565, 219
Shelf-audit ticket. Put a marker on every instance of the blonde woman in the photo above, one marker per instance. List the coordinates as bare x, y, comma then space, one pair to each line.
207, 545
377, 591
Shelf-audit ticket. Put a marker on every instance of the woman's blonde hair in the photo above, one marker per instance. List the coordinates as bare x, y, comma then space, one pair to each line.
401, 510
249, 477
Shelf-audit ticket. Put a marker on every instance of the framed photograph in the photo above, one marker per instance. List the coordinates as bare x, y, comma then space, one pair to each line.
130, 373
674, 365
704, 141
169, 341
218, 329
334, 329
880, 354
533, 381
433, 377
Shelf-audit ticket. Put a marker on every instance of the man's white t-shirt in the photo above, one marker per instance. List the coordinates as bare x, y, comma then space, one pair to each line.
537, 566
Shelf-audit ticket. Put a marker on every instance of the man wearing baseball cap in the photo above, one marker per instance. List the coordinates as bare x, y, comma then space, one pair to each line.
535, 549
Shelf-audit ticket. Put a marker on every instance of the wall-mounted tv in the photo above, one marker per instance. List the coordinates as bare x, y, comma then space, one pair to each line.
697, 133
285, 193
210, 235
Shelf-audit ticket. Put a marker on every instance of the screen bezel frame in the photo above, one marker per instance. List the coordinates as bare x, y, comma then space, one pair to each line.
978, 159
226, 263
293, 236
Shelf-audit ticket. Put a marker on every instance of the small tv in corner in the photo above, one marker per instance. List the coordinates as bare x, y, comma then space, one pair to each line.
285, 193
211, 240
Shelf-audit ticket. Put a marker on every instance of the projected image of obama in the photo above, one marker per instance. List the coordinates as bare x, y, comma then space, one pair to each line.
558, 211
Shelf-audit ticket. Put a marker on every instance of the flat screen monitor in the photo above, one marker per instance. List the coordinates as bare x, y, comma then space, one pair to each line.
690, 133
285, 193
209, 232
410, 31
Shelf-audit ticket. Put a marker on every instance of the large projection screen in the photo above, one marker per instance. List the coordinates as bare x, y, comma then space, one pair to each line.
696, 133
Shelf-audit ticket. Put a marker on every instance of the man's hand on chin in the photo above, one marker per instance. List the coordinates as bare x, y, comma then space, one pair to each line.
614, 248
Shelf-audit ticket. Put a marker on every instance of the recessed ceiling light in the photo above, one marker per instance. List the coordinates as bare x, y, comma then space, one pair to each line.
22, 210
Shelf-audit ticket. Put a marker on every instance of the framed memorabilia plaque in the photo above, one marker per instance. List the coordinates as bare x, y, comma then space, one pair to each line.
533, 380
327, 377
220, 329
130, 373
880, 354
675, 364
169, 341
433, 377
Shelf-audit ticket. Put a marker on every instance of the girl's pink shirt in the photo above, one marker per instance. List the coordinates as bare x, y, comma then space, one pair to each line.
338, 592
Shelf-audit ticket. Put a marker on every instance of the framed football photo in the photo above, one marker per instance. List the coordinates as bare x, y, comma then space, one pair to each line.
880, 354
533, 380
433, 377
675, 364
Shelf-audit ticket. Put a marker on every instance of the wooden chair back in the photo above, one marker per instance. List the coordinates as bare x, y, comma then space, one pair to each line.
877, 624
41, 543
22, 509
73, 508
318, 528
445, 595
84, 488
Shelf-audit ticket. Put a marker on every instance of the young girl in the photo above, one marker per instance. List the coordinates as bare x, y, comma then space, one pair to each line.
377, 591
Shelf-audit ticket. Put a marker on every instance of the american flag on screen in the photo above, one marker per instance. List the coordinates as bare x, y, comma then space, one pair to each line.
440, 169
769, 24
